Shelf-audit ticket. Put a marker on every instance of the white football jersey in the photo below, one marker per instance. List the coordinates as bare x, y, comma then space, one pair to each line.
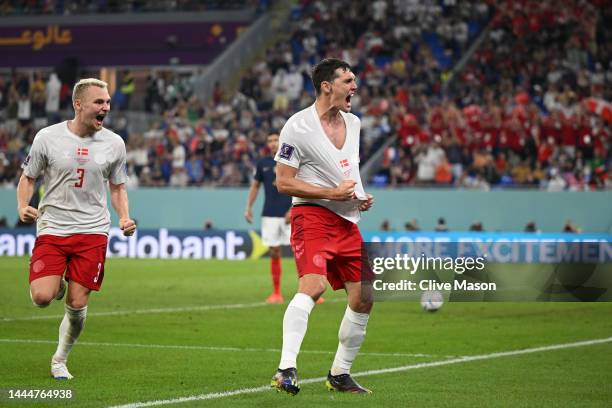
305, 146
76, 170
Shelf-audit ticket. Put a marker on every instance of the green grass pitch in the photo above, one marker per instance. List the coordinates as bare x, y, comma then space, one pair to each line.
157, 332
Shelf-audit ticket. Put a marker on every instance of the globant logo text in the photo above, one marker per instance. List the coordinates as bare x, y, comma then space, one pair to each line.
182, 245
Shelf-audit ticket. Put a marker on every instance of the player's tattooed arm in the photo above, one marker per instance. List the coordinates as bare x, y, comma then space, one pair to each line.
119, 200
25, 190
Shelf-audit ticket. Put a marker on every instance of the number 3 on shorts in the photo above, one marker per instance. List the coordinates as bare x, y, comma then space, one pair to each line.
81, 173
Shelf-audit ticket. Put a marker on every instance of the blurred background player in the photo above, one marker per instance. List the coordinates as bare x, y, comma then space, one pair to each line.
77, 158
318, 164
275, 218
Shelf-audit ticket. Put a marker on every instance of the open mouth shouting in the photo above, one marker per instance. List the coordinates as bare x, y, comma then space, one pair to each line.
347, 100
100, 119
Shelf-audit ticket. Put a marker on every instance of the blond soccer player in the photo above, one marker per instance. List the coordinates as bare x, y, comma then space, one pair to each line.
77, 159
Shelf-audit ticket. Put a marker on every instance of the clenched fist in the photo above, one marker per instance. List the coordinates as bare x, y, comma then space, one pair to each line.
28, 214
128, 226
345, 191
365, 205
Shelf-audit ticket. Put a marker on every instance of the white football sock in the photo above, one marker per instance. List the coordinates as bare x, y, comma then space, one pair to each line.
351, 334
295, 324
69, 331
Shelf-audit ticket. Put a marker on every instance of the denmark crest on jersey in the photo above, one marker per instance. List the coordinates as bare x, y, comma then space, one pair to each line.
82, 154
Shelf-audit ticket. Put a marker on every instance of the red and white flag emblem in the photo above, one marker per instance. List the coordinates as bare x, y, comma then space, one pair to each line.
82, 151
344, 163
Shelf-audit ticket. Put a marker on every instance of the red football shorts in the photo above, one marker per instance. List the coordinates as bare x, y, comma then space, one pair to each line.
81, 256
326, 244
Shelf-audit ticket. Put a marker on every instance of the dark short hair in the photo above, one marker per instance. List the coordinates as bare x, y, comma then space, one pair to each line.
326, 71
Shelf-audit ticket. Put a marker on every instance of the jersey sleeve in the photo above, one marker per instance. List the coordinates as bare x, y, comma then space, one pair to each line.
118, 174
35, 162
258, 176
289, 150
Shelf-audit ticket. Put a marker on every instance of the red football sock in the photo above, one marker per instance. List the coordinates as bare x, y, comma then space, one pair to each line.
275, 268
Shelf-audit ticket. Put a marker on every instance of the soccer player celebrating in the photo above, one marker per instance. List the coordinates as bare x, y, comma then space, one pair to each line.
318, 164
275, 219
77, 158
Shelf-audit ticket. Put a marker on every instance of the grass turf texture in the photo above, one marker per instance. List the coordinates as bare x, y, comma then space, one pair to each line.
110, 374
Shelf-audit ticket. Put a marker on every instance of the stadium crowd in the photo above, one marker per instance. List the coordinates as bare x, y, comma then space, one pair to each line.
523, 112
515, 116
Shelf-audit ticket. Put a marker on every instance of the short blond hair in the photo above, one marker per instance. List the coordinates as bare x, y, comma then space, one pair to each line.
83, 84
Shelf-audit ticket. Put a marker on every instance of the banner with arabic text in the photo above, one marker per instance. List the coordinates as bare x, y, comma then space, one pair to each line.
97, 45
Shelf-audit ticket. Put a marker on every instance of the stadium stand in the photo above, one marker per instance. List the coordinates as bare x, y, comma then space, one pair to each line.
523, 112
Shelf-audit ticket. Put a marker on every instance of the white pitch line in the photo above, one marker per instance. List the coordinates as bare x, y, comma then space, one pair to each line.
203, 308
458, 360
213, 348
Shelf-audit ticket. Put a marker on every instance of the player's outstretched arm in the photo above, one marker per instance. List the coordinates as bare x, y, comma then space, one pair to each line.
119, 201
25, 190
248, 212
286, 183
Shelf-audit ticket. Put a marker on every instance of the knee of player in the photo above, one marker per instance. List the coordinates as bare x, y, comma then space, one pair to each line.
314, 290
361, 305
41, 298
275, 252
318, 290
77, 303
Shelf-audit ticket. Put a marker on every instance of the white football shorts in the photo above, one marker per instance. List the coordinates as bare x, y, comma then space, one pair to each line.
274, 231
